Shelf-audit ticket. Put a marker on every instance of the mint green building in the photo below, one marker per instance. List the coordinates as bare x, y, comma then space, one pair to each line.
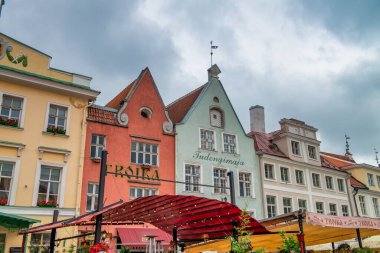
210, 141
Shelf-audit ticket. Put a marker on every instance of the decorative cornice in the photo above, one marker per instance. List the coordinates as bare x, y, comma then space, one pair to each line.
65, 152
297, 136
17, 145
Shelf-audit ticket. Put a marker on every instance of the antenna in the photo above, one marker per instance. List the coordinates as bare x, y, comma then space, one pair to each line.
347, 145
211, 48
376, 157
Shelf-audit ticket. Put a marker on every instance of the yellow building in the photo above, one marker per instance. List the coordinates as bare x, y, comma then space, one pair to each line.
42, 131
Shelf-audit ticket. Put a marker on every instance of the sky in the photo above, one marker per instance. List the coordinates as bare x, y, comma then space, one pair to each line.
316, 61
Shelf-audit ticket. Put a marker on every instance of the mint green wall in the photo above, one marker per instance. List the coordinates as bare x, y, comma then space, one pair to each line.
188, 142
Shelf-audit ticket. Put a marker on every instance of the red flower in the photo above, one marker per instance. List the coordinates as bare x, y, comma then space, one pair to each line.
3, 202
100, 247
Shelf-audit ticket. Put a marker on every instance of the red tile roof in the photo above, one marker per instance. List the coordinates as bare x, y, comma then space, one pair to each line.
102, 115
341, 157
116, 101
356, 183
178, 109
327, 164
336, 161
134, 237
263, 142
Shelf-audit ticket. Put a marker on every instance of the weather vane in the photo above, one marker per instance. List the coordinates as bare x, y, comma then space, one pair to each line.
347, 145
212, 47
377, 157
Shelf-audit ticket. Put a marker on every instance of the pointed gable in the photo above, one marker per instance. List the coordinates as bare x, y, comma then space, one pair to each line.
179, 108
117, 101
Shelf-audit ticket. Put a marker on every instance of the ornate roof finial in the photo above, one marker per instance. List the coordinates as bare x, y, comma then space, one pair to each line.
212, 47
377, 157
348, 153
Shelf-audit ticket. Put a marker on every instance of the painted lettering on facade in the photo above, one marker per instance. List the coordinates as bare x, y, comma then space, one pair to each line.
219, 160
138, 173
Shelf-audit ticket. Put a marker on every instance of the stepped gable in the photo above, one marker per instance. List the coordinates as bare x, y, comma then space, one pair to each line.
178, 109
116, 101
263, 142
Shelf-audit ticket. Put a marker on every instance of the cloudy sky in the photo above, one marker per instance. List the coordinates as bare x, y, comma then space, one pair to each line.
317, 61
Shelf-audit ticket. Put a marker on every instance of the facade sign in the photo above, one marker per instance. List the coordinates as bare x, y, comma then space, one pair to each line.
342, 222
144, 173
220, 160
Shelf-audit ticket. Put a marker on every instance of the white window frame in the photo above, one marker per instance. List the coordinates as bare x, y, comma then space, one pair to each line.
363, 205
236, 143
315, 152
143, 189
303, 176
378, 180
320, 181
348, 210
275, 205
144, 152
291, 204
213, 180
303, 199
222, 120
370, 179
93, 196
200, 177
376, 207
215, 148
67, 127
22, 116
343, 184
273, 169
289, 177
62, 186
336, 209
332, 183
14, 183
97, 145
251, 184
323, 206
299, 148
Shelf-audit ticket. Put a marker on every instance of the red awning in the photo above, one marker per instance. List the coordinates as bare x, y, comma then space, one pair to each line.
135, 237
195, 218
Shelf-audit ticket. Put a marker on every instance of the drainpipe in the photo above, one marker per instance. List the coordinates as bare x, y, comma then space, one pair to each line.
260, 155
357, 214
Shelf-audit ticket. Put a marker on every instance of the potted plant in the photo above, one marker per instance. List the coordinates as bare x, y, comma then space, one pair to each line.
8, 122
44, 203
55, 130
242, 244
3, 202
289, 244
100, 247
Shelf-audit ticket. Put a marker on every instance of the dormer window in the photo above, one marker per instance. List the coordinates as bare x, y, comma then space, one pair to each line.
312, 152
216, 118
296, 148
146, 112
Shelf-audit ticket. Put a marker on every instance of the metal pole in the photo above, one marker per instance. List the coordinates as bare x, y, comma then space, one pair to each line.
53, 232
234, 230
102, 181
175, 240
24, 238
359, 238
301, 236
230, 175
333, 246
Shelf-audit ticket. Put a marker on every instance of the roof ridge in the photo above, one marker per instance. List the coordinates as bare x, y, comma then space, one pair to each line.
186, 95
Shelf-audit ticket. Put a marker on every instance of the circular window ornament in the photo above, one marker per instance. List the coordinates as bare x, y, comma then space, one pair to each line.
145, 112
216, 99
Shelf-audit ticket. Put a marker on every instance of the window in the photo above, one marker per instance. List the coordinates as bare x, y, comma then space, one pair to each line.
284, 174
92, 196
192, 178
146, 112
302, 205
229, 143
6, 174
11, 108
39, 243
135, 192
245, 184
319, 207
329, 183
207, 139
345, 210
269, 173
216, 118
299, 177
316, 180
296, 148
49, 183
144, 153
287, 204
57, 119
220, 180
341, 185
378, 181
271, 206
312, 152
97, 145
2, 242
333, 209
362, 204
376, 207
370, 179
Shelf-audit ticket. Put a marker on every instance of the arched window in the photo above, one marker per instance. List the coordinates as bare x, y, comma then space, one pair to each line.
146, 112
216, 117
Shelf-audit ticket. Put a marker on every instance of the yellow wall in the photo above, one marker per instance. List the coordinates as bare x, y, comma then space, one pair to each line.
361, 175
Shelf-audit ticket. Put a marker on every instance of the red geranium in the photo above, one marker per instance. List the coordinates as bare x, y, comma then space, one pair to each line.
100, 247
44, 203
3, 202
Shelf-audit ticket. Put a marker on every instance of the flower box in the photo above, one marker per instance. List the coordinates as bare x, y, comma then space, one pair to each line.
100, 247
45, 203
8, 122
3, 202
55, 130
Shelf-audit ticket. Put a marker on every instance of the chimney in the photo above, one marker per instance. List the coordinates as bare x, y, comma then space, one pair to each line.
257, 118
